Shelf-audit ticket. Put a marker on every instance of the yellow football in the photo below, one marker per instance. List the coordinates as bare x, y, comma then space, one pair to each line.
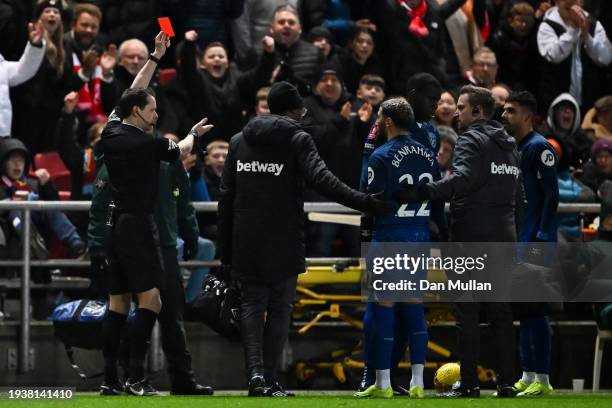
446, 376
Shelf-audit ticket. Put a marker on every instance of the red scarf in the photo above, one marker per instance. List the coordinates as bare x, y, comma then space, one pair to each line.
88, 101
416, 26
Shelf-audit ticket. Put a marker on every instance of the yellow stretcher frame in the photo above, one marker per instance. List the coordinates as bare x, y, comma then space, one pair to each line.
340, 360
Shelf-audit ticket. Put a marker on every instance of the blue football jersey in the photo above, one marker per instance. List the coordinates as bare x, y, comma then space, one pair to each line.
539, 171
400, 162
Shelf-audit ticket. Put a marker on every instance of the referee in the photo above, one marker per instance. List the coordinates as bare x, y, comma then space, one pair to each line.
132, 157
261, 225
483, 208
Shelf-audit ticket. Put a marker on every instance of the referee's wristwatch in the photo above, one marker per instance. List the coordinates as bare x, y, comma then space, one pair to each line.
154, 59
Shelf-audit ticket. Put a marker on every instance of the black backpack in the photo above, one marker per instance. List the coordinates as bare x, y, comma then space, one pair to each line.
217, 306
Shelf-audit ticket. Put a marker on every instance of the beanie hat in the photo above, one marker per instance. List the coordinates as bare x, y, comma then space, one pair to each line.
601, 145
284, 97
327, 69
41, 6
319, 32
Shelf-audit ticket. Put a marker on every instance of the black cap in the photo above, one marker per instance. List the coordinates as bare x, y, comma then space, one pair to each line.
328, 69
44, 4
284, 97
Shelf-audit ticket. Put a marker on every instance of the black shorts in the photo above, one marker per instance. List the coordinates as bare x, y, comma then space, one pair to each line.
134, 254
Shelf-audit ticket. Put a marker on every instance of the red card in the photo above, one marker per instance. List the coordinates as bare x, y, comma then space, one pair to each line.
166, 26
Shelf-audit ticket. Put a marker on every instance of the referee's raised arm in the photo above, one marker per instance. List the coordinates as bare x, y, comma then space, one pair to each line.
143, 78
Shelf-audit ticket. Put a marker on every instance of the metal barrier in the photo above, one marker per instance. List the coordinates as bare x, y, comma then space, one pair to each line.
26, 207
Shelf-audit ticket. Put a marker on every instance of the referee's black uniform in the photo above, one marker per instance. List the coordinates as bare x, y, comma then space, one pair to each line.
135, 263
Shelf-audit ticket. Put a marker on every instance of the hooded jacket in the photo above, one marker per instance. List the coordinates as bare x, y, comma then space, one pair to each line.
261, 209
577, 143
485, 186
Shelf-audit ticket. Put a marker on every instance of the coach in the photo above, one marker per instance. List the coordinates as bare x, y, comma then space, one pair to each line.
261, 225
483, 209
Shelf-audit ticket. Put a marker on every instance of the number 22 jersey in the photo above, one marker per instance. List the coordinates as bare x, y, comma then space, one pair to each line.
400, 162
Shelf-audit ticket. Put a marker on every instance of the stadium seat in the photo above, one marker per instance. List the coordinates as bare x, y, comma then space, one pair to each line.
602, 337
56, 168
166, 75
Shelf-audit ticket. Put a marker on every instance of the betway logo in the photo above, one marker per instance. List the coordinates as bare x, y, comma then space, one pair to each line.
504, 169
257, 167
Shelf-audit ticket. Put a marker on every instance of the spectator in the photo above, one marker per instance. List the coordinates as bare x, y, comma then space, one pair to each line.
371, 90
445, 111
15, 73
571, 190
179, 118
575, 48
467, 29
42, 96
563, 122
410, 37
321, 38
597, 122
209, 18
261, 101
252, 26
448, 140
339, 16
484, 69
221, 92
83, 50
328, 117
299, 60
216, 152
515, 46
79, 160
499, 92
329, 122
359, 59
14, 185
599, 169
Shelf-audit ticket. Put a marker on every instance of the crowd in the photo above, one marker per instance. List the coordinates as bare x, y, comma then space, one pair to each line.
344, 56
65, 64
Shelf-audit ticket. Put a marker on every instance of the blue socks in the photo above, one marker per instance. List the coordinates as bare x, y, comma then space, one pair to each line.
535, 345
383, 337
387, 332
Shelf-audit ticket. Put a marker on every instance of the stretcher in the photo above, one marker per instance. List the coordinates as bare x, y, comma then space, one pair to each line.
333, 293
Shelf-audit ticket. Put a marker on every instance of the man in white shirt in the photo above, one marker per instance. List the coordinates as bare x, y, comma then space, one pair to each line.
576, 49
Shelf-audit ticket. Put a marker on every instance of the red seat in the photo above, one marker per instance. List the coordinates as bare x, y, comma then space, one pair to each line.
52, 162
166, 75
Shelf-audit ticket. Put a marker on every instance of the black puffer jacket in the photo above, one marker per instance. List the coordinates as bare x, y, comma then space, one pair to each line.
299, 64
485, 187
261, 214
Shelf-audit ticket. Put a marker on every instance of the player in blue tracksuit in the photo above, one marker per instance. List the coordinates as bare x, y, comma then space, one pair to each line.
539, 173
401, 160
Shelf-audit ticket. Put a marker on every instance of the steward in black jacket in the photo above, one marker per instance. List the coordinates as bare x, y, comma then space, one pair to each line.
261, 225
